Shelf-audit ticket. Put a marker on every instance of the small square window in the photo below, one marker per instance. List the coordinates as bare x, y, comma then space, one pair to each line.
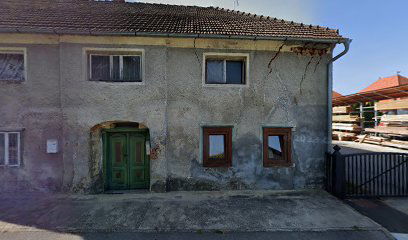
10, 148
115, 68
277, 147
225, 70
217, 146
12, 66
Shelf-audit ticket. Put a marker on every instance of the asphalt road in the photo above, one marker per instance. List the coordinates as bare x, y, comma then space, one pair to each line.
325, 235
392, 219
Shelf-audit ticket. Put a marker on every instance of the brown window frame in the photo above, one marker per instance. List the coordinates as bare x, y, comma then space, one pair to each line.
227, 161
287, 140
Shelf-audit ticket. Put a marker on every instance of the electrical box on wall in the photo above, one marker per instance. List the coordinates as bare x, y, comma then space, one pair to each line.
52, 146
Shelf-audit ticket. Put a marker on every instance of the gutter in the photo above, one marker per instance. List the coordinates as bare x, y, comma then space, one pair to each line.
346, 44
173, 35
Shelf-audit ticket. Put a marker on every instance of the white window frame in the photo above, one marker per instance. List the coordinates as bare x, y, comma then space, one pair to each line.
221, 55
121, 52
6, 149
16, 50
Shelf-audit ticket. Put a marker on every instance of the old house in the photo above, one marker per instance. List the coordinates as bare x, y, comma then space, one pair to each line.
99, 95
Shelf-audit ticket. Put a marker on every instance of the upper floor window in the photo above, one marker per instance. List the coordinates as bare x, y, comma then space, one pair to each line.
115, 67
12, 65
226, 68
277, 147
10, 148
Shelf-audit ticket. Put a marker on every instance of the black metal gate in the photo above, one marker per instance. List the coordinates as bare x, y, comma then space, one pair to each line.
367, 174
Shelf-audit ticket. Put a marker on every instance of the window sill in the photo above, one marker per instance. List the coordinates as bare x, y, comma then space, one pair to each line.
225, 85
118, 82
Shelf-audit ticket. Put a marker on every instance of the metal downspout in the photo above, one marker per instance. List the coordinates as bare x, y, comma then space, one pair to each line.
346, 44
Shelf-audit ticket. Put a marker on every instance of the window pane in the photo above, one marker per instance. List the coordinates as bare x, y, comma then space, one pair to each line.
11, 66
115, 68
2, 162
100, 68
215, 71
13, 149
217, 146
234, 72
131, 69
275, 146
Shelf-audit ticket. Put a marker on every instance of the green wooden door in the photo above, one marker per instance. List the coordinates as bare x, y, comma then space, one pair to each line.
127, 164
138, 162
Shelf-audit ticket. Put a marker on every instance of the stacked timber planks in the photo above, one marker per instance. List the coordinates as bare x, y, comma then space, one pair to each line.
395, 120
393, 125
391, 104
345, 118
342, 109
344, 125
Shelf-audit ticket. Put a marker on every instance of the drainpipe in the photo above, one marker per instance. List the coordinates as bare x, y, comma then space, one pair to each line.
346, 44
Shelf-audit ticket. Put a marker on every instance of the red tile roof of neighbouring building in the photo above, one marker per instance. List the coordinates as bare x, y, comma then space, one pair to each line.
336, 94
386, 82
120, 18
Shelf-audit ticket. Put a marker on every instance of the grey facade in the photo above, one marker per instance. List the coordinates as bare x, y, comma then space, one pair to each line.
57, 101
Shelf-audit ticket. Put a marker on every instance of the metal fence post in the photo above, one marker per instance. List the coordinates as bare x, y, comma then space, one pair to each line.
339, 173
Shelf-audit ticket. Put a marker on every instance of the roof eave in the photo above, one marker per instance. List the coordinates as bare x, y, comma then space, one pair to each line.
175, 35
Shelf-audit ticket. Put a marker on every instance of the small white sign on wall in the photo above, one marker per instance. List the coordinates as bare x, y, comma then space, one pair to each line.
52, 146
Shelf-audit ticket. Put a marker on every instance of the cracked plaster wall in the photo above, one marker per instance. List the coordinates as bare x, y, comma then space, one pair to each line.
174, 105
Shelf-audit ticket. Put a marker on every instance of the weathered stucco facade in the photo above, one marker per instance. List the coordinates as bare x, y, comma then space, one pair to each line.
57, 101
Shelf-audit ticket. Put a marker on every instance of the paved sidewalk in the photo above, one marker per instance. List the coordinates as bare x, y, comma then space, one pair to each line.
203, 214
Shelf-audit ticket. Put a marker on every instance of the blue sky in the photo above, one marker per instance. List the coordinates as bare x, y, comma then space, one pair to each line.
379, 30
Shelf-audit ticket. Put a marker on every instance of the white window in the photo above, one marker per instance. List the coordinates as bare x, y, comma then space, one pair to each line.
115, 67
12, 65
10, 149
225, 69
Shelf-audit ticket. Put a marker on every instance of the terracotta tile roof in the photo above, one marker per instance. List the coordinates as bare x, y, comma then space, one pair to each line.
387, 82
336, 94
99, 18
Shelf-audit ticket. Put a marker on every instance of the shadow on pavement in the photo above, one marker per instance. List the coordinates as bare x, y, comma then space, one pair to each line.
390, 218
